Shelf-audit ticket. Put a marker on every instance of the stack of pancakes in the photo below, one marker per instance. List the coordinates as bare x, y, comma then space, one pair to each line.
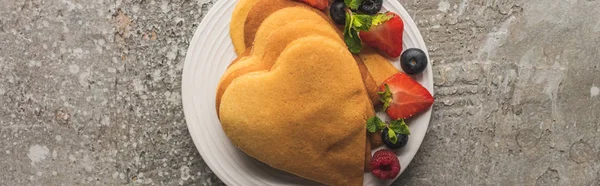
296, 98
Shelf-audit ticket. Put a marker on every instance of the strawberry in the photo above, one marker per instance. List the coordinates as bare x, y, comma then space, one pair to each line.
385, 35
320, 4
404, 97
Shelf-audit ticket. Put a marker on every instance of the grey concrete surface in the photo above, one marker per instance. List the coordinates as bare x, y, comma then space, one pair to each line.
90, 93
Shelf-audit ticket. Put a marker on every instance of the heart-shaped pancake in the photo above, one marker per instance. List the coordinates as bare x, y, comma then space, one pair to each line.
249, 15
238, 21
306, 115
276, 32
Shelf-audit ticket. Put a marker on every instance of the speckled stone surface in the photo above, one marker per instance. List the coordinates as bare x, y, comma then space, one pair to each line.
90, 92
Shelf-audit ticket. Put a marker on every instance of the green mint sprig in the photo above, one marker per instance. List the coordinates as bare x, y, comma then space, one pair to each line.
394, 127
351, 32
380, 18
374, 124
353, 4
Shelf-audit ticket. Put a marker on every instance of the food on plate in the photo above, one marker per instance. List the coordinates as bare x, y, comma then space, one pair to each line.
370, 6
367, 165
259, 10
404, 97
301, 90
238, 20
337, 12
370, 84
289, 24
320, 4
299, 76
248, 16
382, 31
413, 61
394, 140
385, 34
265, 8
375, 139
262, 9
355, 23
379, 66
385, 164
311, 103
394, 135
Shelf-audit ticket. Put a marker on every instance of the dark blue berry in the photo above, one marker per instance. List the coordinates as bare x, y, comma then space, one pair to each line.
413, 61
371, 6
402, 139
337, 12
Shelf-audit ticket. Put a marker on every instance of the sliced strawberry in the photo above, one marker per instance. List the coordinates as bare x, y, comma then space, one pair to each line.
386, 36
404, 97
320, 4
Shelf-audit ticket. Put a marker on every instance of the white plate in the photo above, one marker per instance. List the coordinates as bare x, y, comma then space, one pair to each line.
208, 56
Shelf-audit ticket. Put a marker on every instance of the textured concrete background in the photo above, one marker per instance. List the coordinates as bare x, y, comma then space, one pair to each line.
90, 92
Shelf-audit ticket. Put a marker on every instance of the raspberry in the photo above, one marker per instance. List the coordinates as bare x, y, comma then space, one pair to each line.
385, 164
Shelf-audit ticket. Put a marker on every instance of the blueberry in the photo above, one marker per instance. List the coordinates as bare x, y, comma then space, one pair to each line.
402, 139
371, 6
413, 61
337, 12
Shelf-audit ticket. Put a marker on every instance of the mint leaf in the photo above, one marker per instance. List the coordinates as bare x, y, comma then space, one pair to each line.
353, 41
362, 22
381, 125
386, 97
380, 18
392, 136
349, 20
371, 127
353, 4
374, 124
351, 35
400, 127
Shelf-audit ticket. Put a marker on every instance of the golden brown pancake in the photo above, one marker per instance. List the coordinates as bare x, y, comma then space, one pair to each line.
373, 67
263, 9
306, 115
367, 165
238, 20
241, 56
370, 84
256, 11
253, 12
281, 19
379, 66
275, 34
375, 140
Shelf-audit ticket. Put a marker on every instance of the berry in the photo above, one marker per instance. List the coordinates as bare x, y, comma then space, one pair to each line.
404, 97
320, 4
413, 61
371, 6
402, 139
337, 12
386, 36
385, 164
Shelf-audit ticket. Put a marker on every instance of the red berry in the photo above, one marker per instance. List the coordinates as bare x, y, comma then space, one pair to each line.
385, 164
320, 4
386, 37
405, 98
